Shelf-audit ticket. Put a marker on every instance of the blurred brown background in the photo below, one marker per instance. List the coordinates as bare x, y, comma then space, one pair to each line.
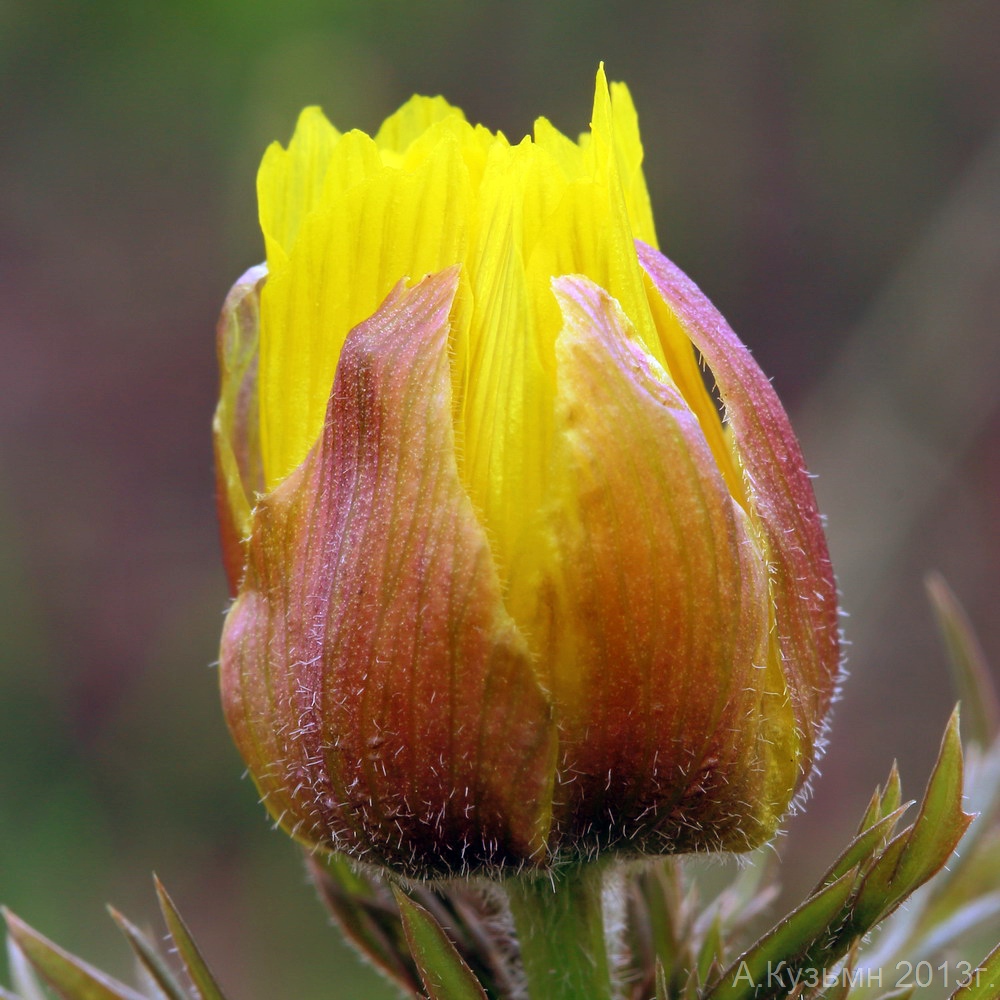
830, 175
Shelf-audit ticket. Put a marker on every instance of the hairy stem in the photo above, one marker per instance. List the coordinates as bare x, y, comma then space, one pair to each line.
560, 929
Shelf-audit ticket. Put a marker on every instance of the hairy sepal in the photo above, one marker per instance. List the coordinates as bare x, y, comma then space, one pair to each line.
383, 698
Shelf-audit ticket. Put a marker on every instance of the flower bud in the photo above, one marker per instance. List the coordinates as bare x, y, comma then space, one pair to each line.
508, 589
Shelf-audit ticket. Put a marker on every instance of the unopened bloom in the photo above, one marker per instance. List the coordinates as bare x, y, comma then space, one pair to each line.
508, 589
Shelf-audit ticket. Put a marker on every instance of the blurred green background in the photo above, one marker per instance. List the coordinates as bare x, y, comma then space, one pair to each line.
830, 175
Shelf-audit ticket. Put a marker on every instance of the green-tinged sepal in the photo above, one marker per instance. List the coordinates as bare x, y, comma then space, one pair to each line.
385, 702
779, 497
239, 471
670, 749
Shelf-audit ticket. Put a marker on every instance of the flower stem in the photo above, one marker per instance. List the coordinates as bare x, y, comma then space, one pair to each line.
560, 930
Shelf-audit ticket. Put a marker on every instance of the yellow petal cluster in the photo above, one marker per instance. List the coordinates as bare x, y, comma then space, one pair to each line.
346, 216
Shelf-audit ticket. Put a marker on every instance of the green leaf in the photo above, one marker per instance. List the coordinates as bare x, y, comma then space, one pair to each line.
662, 992
940, 822
872, 814
918, 853
984, 983
710, 954
23, 977
367, 915
660, 898
860, 852
892, 796
70, 977
196, 967
150, 958
978, 694
444, 973
982, 786
883, 800
738, 904
747, 978
842, 987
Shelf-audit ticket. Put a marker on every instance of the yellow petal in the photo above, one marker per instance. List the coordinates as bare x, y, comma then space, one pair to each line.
506, 411
414, 118
290, 181
352, 162
629, 145
593, 224
347, 257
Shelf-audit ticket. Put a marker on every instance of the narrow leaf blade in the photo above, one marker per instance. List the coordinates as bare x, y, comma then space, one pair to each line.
920, 851
662, 992
892, 796
70, 977
27, 985
940, 823
978, 694
202, 978
984, 983
860, 852
366, 915
748, 977
150, 958
444, 972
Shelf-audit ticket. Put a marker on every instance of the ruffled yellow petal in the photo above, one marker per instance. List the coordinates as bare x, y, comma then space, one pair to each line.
629, 147
505, 414
349, 253
411, 121
290, 181
600, 227
566, 154
358, 214
355, 160
542, 208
